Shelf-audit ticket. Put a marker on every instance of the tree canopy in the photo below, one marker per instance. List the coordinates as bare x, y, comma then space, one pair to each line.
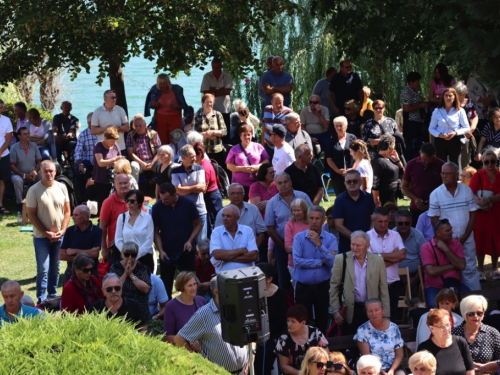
178, 34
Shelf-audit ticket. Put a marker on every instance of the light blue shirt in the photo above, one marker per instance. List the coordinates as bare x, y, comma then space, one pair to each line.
249, 216
413, 244
25, 312
157, 294
272, 79
453, 121
313, 264
424, 226
278, 211
222, 240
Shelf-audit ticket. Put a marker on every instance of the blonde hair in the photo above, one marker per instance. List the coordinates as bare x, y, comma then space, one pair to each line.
352, 105
122, 166
313, 354
472, 303
162, 77
423, 358
359, 145
238, 104
303, 206
182, 279
111, 133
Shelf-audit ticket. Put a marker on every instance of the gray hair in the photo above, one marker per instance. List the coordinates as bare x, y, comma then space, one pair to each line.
373, 300
238, 104
185, 149
403, 213
292, 117
85, 209
194, 137
27, 300
278, 58
300, 149
108, 92
46, 163
316, 209
460, 88
352, 171
361, 234
130, 247
176, 135
340, 120
473, 303
280, 174
138, 116
368, 360
315, 96
451, 165
203, 244
489, 151
213, 284
168, 150
235, 209
386, 140
235, 184
110, 275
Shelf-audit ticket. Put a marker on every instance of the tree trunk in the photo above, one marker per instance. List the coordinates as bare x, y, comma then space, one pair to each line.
117, 83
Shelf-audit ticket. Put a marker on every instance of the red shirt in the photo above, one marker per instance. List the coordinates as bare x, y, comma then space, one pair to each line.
428, 258
210, 177
72, 300
204, 273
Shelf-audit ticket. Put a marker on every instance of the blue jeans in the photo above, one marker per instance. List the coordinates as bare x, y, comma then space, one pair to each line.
47, 267
431, 293
45, 152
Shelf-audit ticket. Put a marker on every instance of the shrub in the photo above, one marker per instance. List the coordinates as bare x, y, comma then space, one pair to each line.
92, 344
9, 112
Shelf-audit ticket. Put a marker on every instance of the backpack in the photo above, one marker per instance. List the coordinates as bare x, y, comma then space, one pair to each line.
222, 179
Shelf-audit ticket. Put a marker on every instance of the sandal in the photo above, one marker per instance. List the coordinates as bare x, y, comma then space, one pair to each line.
4, 211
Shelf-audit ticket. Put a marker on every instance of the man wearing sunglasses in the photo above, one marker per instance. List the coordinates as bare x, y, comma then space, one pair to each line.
344, 86
412, 238
316, 119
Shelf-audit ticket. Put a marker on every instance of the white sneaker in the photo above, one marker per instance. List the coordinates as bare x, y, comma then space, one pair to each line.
482, 276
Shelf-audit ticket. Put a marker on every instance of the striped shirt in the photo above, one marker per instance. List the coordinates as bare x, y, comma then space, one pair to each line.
269, 118
205, 327
454, 208
491, 135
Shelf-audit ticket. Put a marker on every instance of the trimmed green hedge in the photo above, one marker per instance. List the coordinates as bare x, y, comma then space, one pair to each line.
9, 112
92, 344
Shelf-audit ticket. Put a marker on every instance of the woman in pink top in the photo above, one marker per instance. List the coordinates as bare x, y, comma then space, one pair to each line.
297, 224
245, 158
441, 80
264, 189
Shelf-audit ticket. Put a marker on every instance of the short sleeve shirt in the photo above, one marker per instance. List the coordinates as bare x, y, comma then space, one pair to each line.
409, 96
222, 103
25, 159
272, 79
5, 128
428, 254
195, 175
103, 117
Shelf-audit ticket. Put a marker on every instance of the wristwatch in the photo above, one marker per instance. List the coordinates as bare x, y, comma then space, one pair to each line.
134, 278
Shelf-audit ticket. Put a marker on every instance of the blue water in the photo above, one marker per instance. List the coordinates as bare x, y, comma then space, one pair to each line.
139, 76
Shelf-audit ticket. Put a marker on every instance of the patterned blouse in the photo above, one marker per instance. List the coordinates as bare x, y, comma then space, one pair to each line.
203, 123
486, 346
296, 353
383, 344
374, 129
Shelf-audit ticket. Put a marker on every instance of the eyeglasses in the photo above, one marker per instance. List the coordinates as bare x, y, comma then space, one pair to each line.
405, 223
465, 176
474, 313
109, 289
130, 201
112, 97
444, 327
378, 108
321, 365
351, 182
86, 270
488, 161
126, 255
313, 102
336, 366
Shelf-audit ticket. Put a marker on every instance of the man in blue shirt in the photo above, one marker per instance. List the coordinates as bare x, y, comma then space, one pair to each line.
177, 223
277, 81
313, 255
13, 308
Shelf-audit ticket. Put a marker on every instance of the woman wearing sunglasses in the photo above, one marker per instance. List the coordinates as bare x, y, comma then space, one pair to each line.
485, 185
137, 226
338, 364
483, 340
135, 277
315, 362
83, 289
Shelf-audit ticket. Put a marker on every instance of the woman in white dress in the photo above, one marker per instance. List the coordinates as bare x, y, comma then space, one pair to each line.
362, 163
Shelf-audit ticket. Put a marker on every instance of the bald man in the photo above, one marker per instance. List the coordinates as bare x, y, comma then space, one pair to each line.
13, 308
65, 127
82, 237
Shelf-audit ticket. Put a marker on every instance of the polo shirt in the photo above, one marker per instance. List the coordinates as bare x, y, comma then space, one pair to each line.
25, 312
272, 79
205, 327
111, 208
423, 180
222, 240
204, 273
413, 244
222, 103
278, 211
310, 121
386, 244
156, 295
345, 88
129, 308
175, 224
116, 116
249, 216
424, 226
300, 138
308, 181
454, 208
429, 259
194, 176
25, 159
75, 238
313, 264
356, 215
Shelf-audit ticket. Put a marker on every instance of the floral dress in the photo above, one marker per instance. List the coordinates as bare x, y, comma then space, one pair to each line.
296, 353
383, 344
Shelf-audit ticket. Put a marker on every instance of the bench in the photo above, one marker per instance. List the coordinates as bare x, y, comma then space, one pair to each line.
340, 344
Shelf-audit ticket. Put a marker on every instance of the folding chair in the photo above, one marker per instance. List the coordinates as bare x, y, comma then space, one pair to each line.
325, 186
404, 272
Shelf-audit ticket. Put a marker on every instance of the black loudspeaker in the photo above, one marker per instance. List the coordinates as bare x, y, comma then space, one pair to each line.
243, 306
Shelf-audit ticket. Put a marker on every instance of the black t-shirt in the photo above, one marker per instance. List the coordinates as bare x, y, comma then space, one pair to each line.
308, 182
453, 360
345, 88
277, 306
129, 307
340, 156
385, 178
166, 175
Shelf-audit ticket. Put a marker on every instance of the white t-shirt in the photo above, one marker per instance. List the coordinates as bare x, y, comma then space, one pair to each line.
5, 128
365, 169
222, 103
283, 157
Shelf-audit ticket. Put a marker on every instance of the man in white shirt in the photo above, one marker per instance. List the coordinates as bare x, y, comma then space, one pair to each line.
5, 138
283, 152
390, 246
315, 118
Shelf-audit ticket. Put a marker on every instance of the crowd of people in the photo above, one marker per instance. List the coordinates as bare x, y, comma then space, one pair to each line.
340, 265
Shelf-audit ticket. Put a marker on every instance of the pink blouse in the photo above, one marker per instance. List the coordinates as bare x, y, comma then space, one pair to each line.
291, 230
257, 190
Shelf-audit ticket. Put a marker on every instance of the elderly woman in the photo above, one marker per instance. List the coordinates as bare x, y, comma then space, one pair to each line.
106, 153
377, 126
466, 175
368, 364
168, 102
180, 309
362, 163
354, 119
338, 155
423, 363
483, 340
485, 185
338, 364
135, 277
123, 166
83, 289
136, 226
245, 158
449, 124
452, 352
446, 299
175, 137
210, 124
41, 134
490, 135
315, 362
293, 344
380, 337
386, 167
470, 145
164, 168
298, 223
